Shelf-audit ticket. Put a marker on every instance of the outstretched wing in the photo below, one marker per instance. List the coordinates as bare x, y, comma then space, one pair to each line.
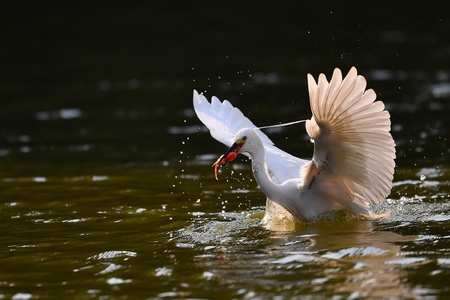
224, 121
353, 162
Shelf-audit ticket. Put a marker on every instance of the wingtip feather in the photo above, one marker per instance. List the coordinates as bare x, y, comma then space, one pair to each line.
195, 96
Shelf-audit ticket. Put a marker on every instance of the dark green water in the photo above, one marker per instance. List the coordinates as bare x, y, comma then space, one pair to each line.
106, 185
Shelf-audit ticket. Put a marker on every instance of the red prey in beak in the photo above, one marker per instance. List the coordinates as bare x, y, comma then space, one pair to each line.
228, 156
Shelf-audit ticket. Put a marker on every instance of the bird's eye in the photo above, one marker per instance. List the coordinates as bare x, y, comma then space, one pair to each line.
244, 138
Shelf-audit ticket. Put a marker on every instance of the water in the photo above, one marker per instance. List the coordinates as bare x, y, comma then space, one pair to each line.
120, 234
106, 185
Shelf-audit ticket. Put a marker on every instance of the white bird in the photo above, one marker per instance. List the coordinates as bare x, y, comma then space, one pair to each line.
353, 162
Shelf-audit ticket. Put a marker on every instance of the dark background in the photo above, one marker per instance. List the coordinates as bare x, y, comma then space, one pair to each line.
130, 67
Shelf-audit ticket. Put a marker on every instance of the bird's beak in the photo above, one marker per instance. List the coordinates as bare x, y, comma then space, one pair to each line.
229, 155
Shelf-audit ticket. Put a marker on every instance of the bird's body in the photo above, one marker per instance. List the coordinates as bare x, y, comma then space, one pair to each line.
353, 162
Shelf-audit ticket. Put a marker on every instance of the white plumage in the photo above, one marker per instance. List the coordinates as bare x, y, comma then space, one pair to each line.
353, 162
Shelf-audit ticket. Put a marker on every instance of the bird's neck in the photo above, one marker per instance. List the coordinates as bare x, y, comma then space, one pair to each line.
281, 193
261, 172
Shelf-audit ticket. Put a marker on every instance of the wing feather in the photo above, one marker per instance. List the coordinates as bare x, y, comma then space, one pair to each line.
222, 119
323, 89
354, 151
333, 92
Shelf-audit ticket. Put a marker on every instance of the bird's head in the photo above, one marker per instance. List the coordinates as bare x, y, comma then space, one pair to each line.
240, 141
